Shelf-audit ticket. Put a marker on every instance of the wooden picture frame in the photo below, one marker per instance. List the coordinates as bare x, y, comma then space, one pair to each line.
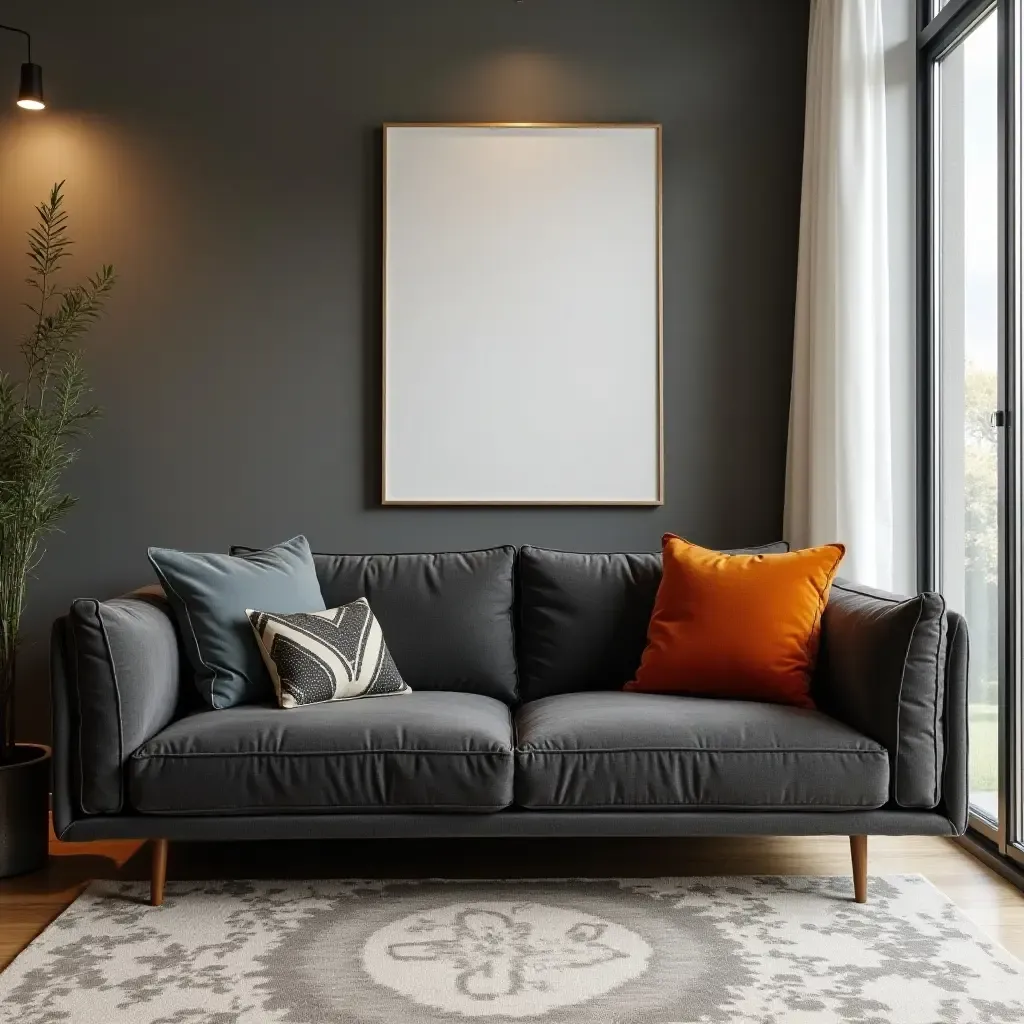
523, 314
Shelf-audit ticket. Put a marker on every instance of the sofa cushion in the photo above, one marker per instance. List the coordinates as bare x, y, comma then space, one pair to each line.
210, 593
737, 627
338, 654
624, 751
882, 670
443, 752
447, 616
583, 617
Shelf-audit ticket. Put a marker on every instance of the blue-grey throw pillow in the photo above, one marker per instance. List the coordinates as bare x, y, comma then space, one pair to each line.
210, 595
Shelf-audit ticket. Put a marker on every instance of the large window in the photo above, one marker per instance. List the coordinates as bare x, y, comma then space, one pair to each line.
969, 85
966, 334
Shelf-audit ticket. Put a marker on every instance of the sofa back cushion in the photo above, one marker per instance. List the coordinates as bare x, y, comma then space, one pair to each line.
446, 617
583, 617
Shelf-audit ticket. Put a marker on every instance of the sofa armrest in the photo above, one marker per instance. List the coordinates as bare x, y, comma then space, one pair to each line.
955, 792
884, 670
116, 677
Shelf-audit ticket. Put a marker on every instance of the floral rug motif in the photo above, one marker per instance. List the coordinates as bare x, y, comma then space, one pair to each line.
762, 950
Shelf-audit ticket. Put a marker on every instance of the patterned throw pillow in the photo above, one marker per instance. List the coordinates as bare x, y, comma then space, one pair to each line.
338, 654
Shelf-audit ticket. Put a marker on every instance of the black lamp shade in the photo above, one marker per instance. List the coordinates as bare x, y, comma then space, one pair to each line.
30, 95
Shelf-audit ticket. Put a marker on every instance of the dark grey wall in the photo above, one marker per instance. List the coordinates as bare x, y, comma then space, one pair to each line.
225, 156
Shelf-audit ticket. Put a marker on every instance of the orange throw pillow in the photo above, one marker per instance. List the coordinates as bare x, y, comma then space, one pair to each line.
740, 627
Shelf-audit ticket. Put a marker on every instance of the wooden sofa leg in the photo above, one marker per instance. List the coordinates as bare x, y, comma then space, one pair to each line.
159, 872
859, 853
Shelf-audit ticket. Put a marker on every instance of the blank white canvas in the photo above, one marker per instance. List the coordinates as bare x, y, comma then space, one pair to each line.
522, 315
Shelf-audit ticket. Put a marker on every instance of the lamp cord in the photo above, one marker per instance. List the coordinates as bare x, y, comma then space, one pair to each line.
21, 32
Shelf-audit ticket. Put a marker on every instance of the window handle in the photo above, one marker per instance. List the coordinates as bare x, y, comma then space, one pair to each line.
997, 419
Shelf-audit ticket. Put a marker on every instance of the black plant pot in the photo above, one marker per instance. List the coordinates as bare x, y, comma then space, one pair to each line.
24, 809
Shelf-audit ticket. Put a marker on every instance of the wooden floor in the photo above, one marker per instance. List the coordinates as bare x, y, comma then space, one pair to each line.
29, 903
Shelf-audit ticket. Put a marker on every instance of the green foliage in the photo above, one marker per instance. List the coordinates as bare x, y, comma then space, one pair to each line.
981, 475
41, 416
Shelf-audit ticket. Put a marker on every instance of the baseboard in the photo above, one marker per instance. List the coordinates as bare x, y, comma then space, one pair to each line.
985, 850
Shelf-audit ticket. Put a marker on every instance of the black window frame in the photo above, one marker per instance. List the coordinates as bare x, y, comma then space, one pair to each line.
1003, 845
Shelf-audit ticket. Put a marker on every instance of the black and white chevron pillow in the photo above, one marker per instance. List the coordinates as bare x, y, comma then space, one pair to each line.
338, 654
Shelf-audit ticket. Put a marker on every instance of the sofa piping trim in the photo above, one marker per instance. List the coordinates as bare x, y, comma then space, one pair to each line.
117, 701
860, 752
967, 751
78, 692
939, 683
140, 756
382, 809
583, 808
195, 639
95, 606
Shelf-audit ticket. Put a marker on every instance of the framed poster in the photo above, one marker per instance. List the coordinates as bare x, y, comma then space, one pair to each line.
522, 315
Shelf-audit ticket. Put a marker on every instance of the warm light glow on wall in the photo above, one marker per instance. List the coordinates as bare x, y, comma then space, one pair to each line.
60, 146
123, 209
521, 85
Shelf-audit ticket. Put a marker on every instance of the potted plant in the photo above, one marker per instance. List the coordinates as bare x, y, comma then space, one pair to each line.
42, 412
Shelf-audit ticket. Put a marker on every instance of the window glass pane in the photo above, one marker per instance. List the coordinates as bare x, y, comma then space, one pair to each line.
967, 325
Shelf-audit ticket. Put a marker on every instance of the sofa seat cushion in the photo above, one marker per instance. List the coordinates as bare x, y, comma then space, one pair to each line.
443, 752
620, 751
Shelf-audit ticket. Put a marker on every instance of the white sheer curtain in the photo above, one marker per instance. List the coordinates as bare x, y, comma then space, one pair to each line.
838, 474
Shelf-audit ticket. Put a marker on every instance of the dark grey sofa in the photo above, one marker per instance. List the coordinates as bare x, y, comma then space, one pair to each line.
517, 725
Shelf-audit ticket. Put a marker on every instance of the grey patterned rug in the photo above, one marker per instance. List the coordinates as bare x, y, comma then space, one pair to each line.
769, 950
